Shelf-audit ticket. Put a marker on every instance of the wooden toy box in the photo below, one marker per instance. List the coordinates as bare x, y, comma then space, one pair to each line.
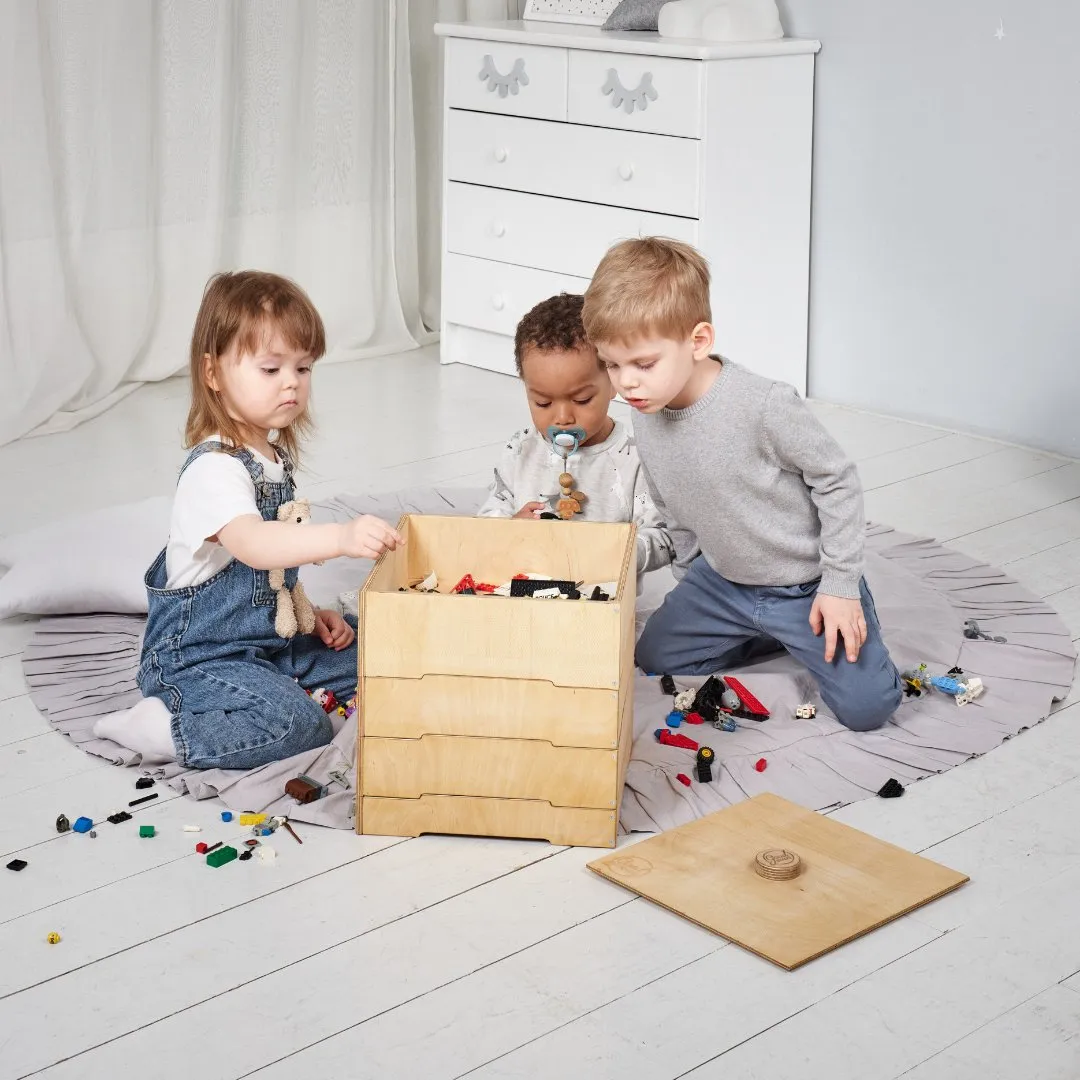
490, 715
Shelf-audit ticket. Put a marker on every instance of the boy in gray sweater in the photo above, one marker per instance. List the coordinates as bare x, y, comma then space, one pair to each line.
568, 390
739, 463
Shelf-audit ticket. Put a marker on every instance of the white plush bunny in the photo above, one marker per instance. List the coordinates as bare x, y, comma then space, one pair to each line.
721, 20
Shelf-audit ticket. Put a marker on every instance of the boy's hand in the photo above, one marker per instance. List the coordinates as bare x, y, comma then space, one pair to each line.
333, 630
368, 537
835, 615
530, 510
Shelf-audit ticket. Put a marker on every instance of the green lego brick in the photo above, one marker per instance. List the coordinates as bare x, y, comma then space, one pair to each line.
221, 856
146, 830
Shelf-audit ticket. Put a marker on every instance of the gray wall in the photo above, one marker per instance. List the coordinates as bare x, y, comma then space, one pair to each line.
945, 267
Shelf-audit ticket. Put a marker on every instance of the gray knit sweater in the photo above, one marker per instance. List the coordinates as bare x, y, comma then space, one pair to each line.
751, 473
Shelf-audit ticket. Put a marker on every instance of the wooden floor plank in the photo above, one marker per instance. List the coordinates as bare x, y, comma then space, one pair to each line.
923, 459
15, 633
19, 719
1025, 535
392, 938
466, 1023
903, 1014
1038, 1039
675, 1023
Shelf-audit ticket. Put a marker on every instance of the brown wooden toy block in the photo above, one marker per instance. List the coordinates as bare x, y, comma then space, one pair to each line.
490, 715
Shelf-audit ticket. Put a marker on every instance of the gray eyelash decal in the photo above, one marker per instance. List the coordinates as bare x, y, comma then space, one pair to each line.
505, 84
626, 98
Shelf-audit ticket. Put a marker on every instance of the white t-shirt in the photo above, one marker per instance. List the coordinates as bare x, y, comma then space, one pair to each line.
213, 490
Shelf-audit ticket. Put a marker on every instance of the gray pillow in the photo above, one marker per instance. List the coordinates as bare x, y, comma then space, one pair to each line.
634, 15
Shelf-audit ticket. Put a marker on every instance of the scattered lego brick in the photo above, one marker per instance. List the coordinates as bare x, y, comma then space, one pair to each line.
252, 819
192, 828
220, 858
119, 816
17, 864
53, 938
83, 824
201, 847
62, 824
683, 779
143, 783
226, 815
146, 830
761, 764
303, 789
145, 798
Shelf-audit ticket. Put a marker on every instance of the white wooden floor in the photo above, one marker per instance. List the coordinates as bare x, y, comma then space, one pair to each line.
445, 957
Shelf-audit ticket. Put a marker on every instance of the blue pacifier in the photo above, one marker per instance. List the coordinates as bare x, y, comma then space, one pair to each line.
566, 440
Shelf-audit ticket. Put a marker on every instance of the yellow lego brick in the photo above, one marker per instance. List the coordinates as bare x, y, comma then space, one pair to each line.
252, 819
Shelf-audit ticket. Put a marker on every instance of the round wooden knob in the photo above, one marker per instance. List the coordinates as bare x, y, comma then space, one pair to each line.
777, 864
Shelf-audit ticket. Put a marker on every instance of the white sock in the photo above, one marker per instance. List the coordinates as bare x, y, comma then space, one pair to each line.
146, 729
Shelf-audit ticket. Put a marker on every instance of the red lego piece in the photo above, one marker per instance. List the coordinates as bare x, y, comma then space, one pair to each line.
753, 707
694, 718
761, 765
667, 737
465, 583
483, 586
683, 778
201, 847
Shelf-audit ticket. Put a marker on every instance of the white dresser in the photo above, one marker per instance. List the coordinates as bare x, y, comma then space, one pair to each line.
560, 140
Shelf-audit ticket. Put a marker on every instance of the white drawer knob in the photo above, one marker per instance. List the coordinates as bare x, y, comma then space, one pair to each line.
501, 154
626, 171
499, 229
498, 302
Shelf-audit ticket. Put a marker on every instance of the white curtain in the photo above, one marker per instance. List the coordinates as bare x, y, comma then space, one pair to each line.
145, 144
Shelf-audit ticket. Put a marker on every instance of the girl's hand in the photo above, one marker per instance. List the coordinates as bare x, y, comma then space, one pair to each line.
530, 510
333, 630
368, 537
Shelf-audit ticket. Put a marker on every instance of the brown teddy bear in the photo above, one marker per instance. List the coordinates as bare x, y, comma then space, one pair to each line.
294, 610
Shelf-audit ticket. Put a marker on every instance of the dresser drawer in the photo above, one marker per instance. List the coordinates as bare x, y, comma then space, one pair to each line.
493, 296
639, 93
546, 233
571, 161
490, 768
518, 80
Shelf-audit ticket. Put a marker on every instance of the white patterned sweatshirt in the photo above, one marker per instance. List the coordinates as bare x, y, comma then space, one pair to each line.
609, 475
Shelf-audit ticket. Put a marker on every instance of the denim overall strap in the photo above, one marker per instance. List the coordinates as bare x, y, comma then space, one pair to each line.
269, 496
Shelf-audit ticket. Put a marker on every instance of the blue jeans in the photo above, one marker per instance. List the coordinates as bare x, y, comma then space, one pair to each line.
708, 624
234, 687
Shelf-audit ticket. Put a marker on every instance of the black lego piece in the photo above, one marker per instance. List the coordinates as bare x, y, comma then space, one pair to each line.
599, 594
528, 586
143, 783
17, 864
892, 789
145, 798
120, 815
708, 701
62, 824
667, 685
245, 855
547, 515
706, 755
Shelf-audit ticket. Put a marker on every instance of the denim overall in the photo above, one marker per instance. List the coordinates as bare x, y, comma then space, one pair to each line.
211, 654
